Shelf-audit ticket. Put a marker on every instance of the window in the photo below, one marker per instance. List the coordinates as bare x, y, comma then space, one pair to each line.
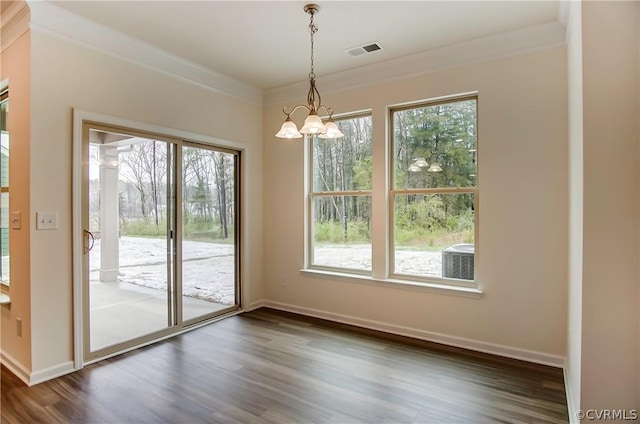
4, 189
433, 190
431, 196
340, 198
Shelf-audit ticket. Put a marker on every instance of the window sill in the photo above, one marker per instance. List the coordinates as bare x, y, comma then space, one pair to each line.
396, 283
4, 294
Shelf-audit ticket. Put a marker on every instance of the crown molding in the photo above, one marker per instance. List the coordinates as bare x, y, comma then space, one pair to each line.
13, 23
570, 15
480, 50
46, 17
53, 20
564, 11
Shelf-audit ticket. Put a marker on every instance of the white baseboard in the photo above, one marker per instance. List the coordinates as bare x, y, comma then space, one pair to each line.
254, 305
51, 373
571, 406
15, 367
480, 346
32, 378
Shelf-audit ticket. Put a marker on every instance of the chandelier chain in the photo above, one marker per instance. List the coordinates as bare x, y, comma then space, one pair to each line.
312, 30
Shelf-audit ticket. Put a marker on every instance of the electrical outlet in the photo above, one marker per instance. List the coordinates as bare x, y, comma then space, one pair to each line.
283, 282
19, 327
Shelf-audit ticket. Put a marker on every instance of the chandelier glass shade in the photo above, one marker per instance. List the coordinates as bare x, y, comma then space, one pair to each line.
419, 164
313, 124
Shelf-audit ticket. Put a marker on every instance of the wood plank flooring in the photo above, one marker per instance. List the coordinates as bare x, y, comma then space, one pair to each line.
268, 366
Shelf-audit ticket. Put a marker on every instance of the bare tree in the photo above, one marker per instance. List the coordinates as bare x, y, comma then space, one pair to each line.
134, 161
147, 166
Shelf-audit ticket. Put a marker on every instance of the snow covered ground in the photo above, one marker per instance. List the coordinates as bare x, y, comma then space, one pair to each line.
208, 268
413, 262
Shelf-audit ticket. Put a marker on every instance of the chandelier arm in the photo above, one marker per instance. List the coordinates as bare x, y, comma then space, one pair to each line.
284, 109
313, 97
327, 109
318, 103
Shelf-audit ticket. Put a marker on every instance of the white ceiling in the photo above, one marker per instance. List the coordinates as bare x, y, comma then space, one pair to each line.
266, 43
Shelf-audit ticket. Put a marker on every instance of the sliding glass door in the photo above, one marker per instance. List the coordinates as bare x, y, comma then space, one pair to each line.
209, 231
161, 237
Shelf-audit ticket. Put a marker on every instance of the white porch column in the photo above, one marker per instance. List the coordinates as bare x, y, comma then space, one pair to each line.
109, 214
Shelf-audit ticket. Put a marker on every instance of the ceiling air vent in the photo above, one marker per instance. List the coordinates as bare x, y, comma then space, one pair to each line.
364, 49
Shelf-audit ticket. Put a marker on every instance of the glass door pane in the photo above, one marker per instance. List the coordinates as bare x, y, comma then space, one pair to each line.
130, 261
4, 190
209, 248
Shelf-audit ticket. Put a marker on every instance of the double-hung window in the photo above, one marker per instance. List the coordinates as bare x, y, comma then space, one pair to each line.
431, 196
340, 198
433, 191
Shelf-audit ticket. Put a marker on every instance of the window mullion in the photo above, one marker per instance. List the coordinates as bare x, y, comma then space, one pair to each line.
435, 190
340, 193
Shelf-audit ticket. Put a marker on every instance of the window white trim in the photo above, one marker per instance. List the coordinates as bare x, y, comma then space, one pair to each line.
406, 284
392, 192
383, 192
310, 194
5, 283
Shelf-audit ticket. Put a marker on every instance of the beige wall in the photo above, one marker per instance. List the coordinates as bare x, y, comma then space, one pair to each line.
66, 76
523, 210
16, 66
524, 161
574, 322
610, 286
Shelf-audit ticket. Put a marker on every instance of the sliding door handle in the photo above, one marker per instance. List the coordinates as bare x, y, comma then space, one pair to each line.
90, 240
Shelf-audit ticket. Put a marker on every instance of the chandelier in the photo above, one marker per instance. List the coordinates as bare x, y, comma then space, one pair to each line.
313, 124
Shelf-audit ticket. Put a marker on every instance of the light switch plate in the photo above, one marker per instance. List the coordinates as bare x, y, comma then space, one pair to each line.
46, 220
16, 220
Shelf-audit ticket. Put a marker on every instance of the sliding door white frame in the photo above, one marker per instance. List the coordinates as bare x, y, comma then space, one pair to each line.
81, 116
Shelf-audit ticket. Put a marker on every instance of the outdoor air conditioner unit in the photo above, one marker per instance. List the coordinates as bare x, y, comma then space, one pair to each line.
457, 261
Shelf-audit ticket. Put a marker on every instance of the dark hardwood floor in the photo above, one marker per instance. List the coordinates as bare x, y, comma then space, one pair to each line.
271, 366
